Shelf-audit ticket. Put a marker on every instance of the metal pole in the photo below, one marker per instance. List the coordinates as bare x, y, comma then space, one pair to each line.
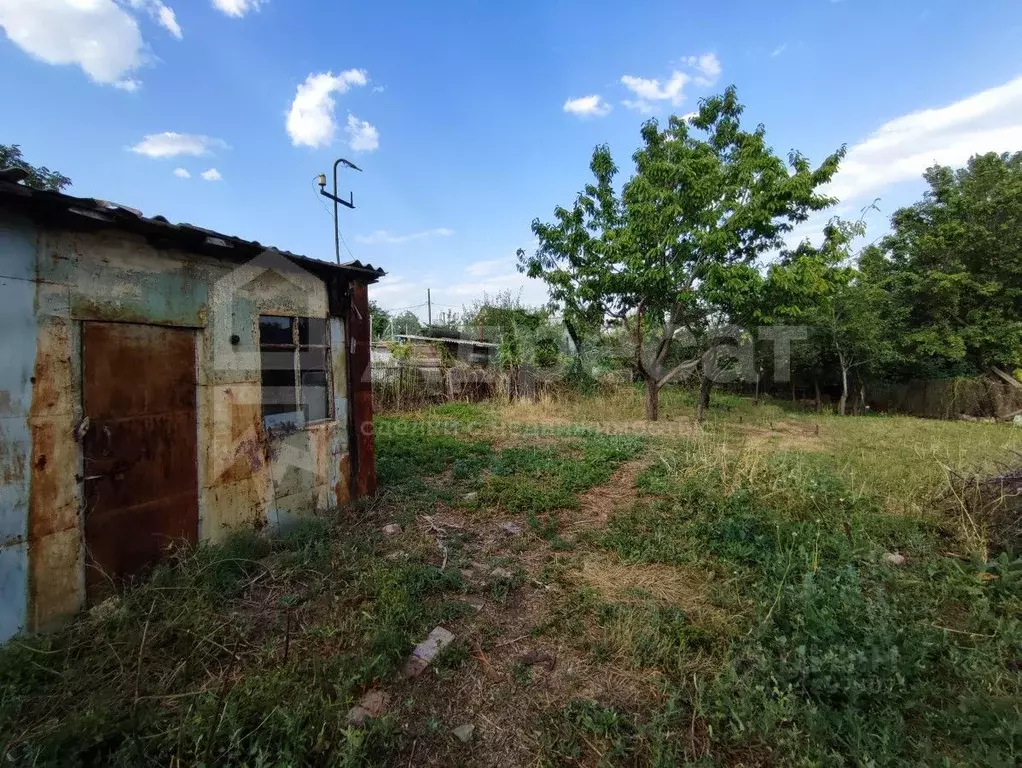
349, 203
429, 309
337, 230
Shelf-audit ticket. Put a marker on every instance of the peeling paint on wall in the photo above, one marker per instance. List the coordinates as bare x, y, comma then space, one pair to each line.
53, 282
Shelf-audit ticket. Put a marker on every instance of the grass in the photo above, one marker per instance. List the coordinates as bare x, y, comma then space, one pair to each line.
219, 658
714, 596
845, 658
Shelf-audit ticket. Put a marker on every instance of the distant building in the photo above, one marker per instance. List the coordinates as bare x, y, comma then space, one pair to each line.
162, 383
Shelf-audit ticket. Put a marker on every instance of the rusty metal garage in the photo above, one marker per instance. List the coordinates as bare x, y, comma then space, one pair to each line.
162, 383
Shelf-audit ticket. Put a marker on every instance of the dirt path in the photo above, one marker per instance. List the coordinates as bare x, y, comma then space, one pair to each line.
525, 638
599, 503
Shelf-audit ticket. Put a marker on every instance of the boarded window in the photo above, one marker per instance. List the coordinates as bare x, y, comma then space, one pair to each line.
295, 355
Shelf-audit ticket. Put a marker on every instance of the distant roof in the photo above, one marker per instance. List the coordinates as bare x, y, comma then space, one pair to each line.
86, 213
447, 339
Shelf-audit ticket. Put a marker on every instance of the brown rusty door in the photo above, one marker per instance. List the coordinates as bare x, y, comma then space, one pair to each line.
141, 481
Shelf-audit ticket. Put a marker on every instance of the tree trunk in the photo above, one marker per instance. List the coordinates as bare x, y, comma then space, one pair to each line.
756, 401
844, 387
819, 401
652, 400
575, 340
704, 396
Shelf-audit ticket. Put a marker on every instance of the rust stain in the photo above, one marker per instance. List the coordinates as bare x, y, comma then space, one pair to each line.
365, 483
141, 491
342, 489
51, 378
230, 507
53, 525
51, 503
6, 403
319, 448
243, 444
360, 378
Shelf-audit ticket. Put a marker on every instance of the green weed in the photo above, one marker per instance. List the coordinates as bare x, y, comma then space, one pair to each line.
168, 676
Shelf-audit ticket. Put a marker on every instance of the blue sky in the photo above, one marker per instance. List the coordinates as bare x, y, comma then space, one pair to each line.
471, 118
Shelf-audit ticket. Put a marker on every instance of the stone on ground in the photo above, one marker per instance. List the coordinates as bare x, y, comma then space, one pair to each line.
372, 704
424, 653
895, 558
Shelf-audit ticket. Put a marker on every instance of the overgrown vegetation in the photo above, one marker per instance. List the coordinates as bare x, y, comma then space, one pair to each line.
844, 657
247, 652
773, 588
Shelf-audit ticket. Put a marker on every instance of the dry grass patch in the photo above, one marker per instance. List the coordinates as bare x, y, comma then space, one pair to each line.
687, 588
784, 436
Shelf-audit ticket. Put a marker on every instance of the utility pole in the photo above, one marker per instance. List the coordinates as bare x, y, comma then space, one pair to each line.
429, 309
349, 203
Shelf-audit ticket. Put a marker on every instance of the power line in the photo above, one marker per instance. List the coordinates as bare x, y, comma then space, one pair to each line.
345, 244
319, 199
398, 309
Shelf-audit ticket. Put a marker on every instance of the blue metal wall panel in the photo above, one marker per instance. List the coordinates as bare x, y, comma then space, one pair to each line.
13, 589
17, 248
17, 345
17, 362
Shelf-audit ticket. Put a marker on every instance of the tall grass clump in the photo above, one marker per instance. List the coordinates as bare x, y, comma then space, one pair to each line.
249, 652
864, 642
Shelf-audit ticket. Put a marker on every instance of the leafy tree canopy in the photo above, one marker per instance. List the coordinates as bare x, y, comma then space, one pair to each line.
39, 177
677, 249
954, 262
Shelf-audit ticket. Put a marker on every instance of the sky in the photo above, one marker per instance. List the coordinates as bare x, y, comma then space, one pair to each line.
470, 118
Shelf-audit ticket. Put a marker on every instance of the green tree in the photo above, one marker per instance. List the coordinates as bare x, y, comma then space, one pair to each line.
407, 322
39, 177
381, 320
497, 313
853, 323
954, 262
676, 251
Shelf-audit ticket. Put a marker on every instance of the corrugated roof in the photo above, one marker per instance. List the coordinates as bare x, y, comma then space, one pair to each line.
61, 210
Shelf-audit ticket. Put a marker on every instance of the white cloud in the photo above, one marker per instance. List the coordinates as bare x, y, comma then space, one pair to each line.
162, 14
383, 237
901, 149
362, 136
707, 66
778, 50
168, 20
649, 90
181, 173
311, 119
99, 36
170, 144
212, 175
587, 106
237, 8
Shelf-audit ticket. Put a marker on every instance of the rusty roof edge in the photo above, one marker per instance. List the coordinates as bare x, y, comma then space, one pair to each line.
188, 236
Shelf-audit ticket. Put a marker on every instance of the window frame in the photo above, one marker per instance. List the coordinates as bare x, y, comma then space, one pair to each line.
296, 418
